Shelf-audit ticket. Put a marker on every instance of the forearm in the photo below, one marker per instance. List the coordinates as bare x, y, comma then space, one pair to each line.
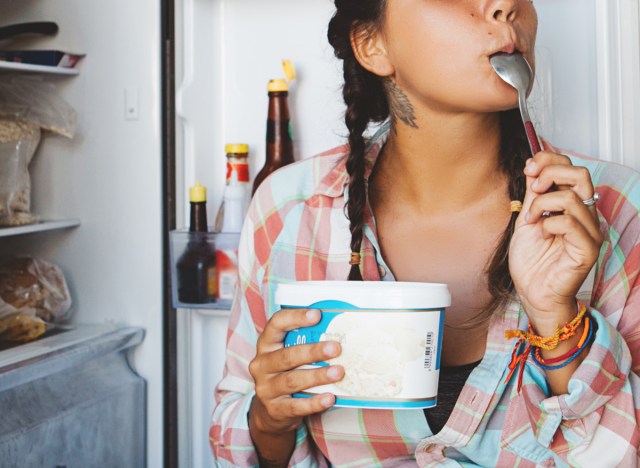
274, 449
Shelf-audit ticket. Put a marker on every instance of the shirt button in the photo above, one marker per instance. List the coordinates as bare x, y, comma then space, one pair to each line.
382, 270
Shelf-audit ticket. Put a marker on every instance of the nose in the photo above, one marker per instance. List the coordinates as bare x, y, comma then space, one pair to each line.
503, 10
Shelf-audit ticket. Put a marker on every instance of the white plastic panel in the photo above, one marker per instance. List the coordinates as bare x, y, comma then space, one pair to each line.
564, 101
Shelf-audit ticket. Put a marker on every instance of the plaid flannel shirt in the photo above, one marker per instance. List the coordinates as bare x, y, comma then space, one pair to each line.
296, 229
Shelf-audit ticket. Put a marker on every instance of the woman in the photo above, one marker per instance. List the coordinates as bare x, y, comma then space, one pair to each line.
434, 196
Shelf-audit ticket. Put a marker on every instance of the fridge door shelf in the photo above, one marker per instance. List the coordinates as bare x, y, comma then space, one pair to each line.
203, 269
30, 68
38, 227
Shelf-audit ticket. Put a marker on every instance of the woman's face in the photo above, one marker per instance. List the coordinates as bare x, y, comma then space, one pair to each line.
440, 49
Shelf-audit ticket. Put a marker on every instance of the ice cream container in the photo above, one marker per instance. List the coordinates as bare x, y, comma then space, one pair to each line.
390, 333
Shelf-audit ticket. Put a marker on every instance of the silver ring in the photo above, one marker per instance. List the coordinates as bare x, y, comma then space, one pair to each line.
592, 201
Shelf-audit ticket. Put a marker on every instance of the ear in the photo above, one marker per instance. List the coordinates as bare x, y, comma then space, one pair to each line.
371, 51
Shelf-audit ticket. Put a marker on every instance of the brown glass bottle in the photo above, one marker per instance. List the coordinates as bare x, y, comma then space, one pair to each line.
279, 142
196, 268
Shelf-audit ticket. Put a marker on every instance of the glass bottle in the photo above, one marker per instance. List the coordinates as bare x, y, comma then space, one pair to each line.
196, 267
237, 160
227, 240
279, 141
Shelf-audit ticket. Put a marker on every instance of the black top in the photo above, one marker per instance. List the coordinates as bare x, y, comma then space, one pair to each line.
452, 379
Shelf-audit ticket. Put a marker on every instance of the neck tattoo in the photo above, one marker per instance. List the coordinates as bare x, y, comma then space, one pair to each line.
400, 108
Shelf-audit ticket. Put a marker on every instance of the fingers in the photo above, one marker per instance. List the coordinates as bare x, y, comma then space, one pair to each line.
287, 383
579, 244
574, 178
532, 170
548, 173
292, 357
569, 204
281, 322
286, 409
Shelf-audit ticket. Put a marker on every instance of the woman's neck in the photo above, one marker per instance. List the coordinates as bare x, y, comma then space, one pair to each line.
444, 165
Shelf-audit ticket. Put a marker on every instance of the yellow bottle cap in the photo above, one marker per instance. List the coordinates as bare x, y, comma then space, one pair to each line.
197, 193
289, 70
276, 86
280, 85
236, 148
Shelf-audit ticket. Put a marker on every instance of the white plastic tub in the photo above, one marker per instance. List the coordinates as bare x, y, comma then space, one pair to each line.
391, 337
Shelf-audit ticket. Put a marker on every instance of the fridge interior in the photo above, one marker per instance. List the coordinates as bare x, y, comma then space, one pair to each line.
108, 178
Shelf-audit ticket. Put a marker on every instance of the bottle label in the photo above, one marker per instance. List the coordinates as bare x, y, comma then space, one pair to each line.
227, 267
241, 168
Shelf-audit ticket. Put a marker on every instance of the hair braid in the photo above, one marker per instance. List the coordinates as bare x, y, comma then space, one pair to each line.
364, 95
514, 152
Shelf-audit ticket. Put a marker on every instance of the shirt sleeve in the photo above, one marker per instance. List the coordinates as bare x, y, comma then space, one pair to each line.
229, 435
596, 422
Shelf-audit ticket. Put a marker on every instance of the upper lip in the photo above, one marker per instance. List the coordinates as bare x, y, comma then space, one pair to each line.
507, 48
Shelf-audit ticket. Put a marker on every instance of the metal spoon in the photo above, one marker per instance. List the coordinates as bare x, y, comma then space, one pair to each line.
515, 70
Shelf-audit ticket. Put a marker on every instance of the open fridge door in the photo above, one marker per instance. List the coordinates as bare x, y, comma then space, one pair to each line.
586, 99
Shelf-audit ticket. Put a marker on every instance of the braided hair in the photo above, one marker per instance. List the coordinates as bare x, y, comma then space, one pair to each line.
366, 101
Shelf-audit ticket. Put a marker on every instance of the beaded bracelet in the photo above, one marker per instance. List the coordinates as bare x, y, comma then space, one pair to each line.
572, 357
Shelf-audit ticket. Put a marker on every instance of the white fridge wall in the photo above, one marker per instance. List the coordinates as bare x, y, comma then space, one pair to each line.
108, 176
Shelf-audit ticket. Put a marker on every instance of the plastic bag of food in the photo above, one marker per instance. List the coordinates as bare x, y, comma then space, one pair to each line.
33, 297
33, 100
18, 143
27, 106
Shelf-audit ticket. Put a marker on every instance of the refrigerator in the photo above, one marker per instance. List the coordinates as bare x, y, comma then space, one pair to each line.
163, 87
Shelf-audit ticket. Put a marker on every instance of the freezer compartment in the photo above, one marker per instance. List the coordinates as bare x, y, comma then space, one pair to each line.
72, 399
204, 269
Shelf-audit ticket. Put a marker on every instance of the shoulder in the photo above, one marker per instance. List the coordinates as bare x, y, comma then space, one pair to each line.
619, 189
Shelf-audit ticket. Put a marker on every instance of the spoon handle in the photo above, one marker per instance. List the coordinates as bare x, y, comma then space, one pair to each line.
532, 136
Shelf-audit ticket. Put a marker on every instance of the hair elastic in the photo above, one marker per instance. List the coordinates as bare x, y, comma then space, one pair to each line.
516, 206
355, 258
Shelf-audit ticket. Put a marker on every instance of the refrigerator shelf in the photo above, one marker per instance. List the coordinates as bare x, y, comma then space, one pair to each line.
39, 227
27, 67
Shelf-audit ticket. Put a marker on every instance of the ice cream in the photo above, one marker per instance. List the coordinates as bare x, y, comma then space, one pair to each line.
390, 335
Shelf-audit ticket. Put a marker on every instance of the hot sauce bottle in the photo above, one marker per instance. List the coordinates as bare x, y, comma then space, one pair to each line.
237, 155
196, 267
279, 140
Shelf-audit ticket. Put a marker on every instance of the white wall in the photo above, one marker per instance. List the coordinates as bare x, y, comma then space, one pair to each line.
109, 176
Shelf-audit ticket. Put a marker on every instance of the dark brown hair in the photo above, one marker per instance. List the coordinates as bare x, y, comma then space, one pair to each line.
366, 102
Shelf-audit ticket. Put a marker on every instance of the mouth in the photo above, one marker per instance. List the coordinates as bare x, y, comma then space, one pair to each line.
507, 48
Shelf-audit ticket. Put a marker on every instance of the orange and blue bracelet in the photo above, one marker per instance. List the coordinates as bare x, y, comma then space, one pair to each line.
568, 357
